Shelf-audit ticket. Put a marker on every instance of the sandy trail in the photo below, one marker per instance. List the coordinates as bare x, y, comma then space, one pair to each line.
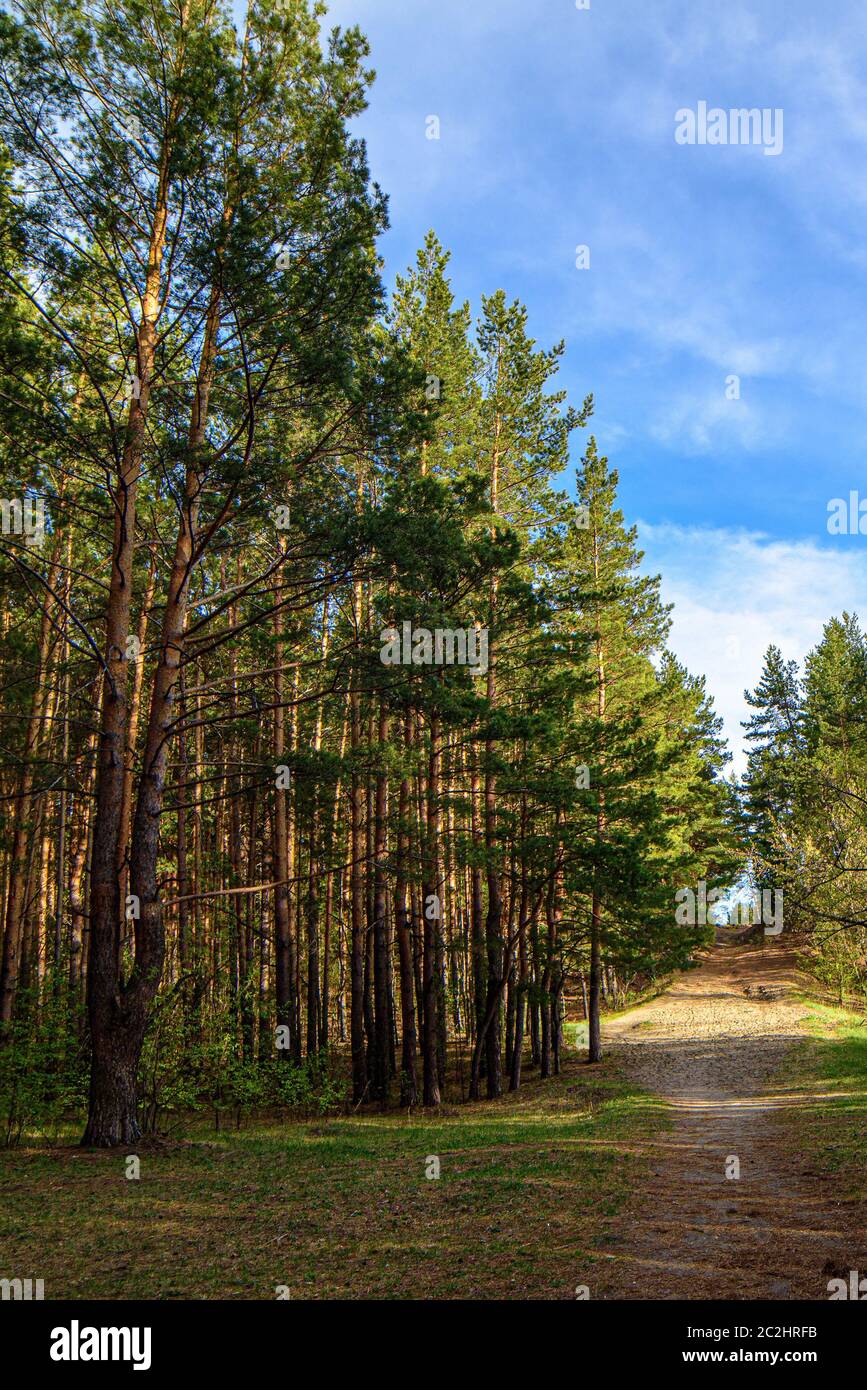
781, 1230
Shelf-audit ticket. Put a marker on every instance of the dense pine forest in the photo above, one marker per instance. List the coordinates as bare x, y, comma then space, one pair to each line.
344, 761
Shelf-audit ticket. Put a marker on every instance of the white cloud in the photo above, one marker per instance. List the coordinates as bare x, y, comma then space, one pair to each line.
736, 592
702, 423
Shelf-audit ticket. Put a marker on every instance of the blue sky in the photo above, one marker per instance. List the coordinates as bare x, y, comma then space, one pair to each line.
557, 130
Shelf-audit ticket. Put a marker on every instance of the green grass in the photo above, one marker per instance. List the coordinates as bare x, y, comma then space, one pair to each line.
342, 1207
832, 1067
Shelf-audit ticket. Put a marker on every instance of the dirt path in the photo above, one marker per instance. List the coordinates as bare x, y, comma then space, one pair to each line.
781, 1230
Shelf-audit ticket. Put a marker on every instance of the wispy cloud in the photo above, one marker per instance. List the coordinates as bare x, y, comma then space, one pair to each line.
708, 423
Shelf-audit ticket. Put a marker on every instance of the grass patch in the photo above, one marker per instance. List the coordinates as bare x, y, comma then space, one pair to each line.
832, 1065
341, 1208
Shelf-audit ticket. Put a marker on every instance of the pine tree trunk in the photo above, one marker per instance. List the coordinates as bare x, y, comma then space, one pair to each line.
382, 1012
480, 970
284, 940
594, 1053
357, 942
432, 919
409, 1064
117, 1024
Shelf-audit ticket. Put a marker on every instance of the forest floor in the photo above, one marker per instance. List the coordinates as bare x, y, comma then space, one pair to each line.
610, 1177
342, 1207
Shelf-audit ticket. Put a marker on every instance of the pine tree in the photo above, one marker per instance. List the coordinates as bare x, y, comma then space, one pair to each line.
628, 623
775, 733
